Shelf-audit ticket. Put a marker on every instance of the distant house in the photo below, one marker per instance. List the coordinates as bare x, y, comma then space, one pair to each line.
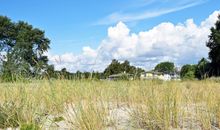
159, 75
121, 76
150, 75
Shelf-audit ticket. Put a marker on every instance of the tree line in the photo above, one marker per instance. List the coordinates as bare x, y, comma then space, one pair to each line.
115, 67
22, 49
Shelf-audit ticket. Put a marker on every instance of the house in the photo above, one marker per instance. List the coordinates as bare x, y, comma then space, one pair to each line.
121, 76
159, 75
150, 75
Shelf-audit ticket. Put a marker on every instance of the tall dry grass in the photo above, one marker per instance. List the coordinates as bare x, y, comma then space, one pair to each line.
100, 105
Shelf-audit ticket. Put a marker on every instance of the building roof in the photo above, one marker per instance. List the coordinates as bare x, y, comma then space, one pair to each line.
152, 72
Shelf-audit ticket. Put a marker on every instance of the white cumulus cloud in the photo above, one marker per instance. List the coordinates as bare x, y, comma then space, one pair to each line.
181, 43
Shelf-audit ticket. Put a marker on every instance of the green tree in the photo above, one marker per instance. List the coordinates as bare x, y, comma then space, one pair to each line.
202, 69
113, 68
214, 45
78, 75
87, 75
24, 47
125, 67
116, 67
50, 73
165, 67
188, 72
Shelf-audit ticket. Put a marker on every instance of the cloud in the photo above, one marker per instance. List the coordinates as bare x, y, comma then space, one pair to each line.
130, 16
183, 43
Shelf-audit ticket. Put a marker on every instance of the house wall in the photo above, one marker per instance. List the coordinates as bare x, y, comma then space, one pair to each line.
165, 77
147, 76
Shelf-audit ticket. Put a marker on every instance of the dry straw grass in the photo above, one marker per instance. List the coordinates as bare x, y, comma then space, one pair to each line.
100, 105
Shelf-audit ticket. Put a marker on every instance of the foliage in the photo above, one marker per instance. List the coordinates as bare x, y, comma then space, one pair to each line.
116, 68
113, 68
188, 72
165, 67
214, 45
51, 73
24, 46
202, 69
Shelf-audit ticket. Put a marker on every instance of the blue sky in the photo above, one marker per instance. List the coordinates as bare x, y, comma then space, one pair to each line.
72, 25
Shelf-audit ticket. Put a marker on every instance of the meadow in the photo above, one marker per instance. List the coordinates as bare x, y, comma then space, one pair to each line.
110, 105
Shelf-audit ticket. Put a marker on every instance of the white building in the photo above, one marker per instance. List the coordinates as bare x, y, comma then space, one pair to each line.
158, 75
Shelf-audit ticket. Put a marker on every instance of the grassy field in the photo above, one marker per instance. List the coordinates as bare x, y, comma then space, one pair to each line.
109, 105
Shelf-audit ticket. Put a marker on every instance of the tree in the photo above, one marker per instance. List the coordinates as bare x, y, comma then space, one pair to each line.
214, 45
125, 67
24, 47
113, 68
188, 72
116, 67
50, 73
202, 69
78, 75
165, 67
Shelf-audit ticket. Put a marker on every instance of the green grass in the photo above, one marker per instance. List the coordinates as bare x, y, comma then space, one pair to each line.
99, 105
